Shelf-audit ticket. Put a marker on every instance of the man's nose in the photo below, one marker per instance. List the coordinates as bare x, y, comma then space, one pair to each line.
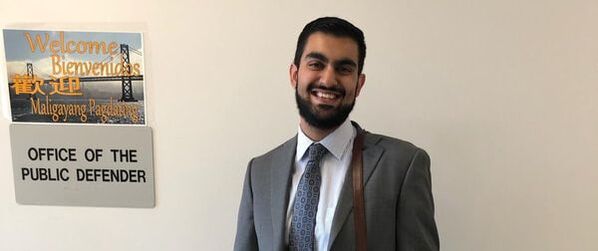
328, 77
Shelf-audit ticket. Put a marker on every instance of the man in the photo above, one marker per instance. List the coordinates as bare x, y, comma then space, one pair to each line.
299, 196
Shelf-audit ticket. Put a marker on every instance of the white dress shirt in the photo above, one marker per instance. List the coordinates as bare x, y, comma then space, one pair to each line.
333, 167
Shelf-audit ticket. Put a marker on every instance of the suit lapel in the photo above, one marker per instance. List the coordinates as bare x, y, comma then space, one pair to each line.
371, 156
280, 182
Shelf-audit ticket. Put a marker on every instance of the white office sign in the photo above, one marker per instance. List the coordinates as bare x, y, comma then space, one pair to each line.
74, 165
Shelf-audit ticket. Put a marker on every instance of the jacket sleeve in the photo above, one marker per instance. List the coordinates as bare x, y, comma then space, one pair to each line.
246, 238
416, 228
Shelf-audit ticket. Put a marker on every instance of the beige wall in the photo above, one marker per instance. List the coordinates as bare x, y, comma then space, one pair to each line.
502, 94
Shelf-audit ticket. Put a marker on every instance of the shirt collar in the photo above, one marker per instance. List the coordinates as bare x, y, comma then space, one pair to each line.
336, 142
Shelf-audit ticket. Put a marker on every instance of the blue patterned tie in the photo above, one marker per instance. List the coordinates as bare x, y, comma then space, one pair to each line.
302, 234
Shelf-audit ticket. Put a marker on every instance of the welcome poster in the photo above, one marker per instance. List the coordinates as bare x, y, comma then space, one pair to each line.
75, 77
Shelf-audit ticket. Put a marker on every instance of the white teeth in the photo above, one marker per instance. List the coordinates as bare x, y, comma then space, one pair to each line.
325, 95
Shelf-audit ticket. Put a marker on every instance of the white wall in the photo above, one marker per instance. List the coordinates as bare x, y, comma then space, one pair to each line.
501, 93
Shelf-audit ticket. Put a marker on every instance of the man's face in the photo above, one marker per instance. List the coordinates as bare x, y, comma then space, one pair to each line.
327, 80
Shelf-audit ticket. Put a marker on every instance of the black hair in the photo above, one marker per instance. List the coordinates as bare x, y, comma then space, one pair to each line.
334, 26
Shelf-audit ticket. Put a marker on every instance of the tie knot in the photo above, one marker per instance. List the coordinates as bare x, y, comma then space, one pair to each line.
316, 152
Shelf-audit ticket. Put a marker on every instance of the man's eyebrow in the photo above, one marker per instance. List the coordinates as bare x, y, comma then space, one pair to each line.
341, 62
318, 56
345, 61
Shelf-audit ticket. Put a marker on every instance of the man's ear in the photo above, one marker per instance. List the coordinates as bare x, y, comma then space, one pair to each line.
360, 83
293, 75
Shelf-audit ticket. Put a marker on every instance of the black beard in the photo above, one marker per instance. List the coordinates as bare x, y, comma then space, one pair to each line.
310, 114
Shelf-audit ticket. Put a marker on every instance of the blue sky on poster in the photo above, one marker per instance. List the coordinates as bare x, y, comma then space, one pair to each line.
18, 51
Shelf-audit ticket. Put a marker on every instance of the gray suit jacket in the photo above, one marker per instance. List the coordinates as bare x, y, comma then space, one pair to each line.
398, 199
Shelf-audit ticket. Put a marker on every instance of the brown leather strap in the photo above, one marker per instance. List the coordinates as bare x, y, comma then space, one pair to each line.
358, 197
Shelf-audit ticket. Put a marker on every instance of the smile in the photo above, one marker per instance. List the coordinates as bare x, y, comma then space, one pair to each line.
324, 94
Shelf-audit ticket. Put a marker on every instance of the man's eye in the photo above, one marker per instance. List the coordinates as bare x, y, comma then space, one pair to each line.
345, 70
315, 65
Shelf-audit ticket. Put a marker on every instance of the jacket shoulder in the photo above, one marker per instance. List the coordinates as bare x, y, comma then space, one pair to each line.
393, 145
284, 150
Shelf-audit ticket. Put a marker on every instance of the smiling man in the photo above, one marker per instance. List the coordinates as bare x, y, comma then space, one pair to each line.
299, 196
